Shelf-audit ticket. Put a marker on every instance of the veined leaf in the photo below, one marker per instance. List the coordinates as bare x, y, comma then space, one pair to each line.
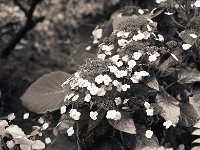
46, 93
125, 124
189, 115
188, 76
170, 108
153, 83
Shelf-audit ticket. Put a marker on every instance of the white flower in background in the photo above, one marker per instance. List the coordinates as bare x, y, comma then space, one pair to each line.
138, 76
107, 47
113, 114
141, 12
125, 58
125, 87
197, 3
160, 1
83, 83
106, 79
11, 116
41, 120
125, 101
87, 98
47, 140
139, 36
131, 64
118, 101
146, 105
113, 68
194, 36
93, 89
122, 34
97, 33
119, 63
10, 144
70, 131
99, 79
186, 46
121, 73
74, 114
93, 115
149, 28
88, 48
167, 124
26, 116
160, 38
137, 55
143, 73
149, 134
45, 126
101, 56
101, 92
168, 13
115, 83
75, 98
122, 42
115, 58
153, 57
149, 112
63, 109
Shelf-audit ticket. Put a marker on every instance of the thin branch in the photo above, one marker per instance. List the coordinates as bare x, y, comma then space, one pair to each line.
21, 7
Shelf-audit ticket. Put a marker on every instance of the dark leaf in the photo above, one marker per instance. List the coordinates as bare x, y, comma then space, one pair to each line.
195, 101
65, 123
153, 83
144, 143
94, 123
46, 93
189, 115
188, 76
125, 124
169, 105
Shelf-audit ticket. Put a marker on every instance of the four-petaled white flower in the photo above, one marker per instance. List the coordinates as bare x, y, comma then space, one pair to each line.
107, 47
149, 112
138, 76
125, 58
101, 56
87, 98
167, 124
113, 114
63, 109
106, 79
75, 98
115, 83
149, 133
137, 55
26, 115
115, 58
125, 87
118, 101
186, 46
139, 36
146, 105
119, 63
83, 83
194, 36
131, 64
153, 57
101, 92
47, 140
197, 3
11, 116
99, 79
123, 34
74, 114
122, 42
93, 89
70, 131
93, 115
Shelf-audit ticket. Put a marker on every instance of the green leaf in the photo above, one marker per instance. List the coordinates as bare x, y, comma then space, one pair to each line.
125, 124
144, 143
153, 83
188, 76
189, 115
46, 93
94, 123
169, 105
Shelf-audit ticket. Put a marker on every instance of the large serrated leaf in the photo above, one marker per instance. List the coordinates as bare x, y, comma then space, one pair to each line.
125, 124
189, 115
46, 93
170, 108
188, 76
